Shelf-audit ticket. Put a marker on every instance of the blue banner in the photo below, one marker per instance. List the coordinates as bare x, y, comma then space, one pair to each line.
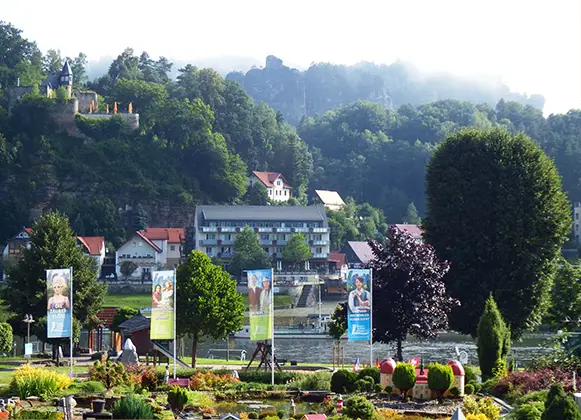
359, 305
58, 292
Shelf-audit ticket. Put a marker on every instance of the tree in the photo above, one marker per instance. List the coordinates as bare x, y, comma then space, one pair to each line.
411, 216
208, 304
62, 94
6, 338
493, 340
496, 209
440, 378
256, 195
121, 315
127, 268
408, 283
338, 324
404, 377
79, 69
296, 250
248, 254
559, 406
52, 62
52, 245
139, 218
566, 294
357, 407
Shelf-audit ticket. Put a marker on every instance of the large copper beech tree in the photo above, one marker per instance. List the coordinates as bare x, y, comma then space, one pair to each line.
409, 294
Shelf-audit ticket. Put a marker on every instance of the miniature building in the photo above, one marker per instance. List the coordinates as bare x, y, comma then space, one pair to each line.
421, 390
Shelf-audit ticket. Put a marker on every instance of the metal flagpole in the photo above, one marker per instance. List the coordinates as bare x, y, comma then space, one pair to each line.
175, 331
272, 323
71, 308
371, 318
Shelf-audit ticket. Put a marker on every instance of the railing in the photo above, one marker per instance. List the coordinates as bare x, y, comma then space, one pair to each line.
135, 257
320, 242
320, 256
216, 242
230, 229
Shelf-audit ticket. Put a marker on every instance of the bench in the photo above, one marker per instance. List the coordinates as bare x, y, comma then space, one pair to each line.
183, 382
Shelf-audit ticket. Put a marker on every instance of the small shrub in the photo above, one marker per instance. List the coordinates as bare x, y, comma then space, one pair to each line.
373, 372
28, 381
90, 387
388, 414
280, 414
280, 378
253, 415
476, 417
343, 381
500, 369
359, 408
266, 414
469, 389
132, 407
6, 338
142, 376
470, 374
455, 391
362, 385
560, 406
37, 414
110, 374
440, 378
210, 381
404, 377
389, 389
529, 411
485, 406
377, 388
318, 381
177, 398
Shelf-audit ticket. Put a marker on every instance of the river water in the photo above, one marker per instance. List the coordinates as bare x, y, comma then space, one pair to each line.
320, 350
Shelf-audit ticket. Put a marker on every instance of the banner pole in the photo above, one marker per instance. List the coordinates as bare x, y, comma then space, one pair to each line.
175, 331
272, 323
71, 305
371, 318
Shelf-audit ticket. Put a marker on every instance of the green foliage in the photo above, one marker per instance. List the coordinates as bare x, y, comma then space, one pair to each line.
37, 414
100, 129
5, 337
404, 376
127, 268
110, 374
318, 381
138, 218
486, 406
122, 315
363, 385
530, 411
492, 339
253, 415
177, 397
90, 387
559, 405
358, 407
256, 195
500, 370
248, 254
469, 389
494, 173
62, 94
470, 374
208, 304
297, 250
455, 391
566, 294
343, 381
338, 324
411, 216
132, 407
372, 373
440, 378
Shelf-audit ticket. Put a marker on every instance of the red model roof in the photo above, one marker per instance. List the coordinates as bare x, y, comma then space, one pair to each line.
172, 235
268, 178
28, 230
338, 257
456, 367
387, 366
422, 379
94, 244
314, 417
107, 314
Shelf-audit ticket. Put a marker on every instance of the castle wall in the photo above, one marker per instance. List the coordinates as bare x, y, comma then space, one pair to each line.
16, 93
131, 120
64, 114
85, 99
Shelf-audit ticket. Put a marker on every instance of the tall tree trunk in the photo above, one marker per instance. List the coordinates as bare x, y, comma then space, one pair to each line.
194, 348
399, 351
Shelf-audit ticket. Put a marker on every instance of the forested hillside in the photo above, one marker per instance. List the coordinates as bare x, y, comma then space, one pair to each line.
200, 135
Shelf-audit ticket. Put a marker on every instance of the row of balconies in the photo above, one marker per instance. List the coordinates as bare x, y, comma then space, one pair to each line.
265, 229
133, 257
274, 255
225, 242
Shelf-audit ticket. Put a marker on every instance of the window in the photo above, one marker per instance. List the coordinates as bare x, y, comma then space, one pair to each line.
210, 236
319, 250
172, 248
265, 249
269, 191
208, 250
577, 216
285, 191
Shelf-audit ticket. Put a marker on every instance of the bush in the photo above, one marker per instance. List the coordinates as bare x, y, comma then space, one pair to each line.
28, 381
389, 389
132, 407
529, 411
377, 388
38, 414
359, 408
500, 369
363, 385
253, 415
404, 377
143, 376
90, 387
343, 381
469, 389
476, 417
455, 391
526, 382
484, 406
177, 398
211, 381
5, 338
493, 340
440, 378
280, 414
280, 378
373, 372
318, 381
110, 374
559, 406
470, 374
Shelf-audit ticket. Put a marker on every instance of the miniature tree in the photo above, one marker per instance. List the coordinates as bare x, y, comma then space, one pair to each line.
493, 339
404, 377
440, 379
359, 408
559, 406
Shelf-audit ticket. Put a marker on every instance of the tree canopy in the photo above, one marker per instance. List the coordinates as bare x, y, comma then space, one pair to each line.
497, 210
248, 254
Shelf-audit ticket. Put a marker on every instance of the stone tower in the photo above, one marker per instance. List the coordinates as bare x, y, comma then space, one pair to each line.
66, 78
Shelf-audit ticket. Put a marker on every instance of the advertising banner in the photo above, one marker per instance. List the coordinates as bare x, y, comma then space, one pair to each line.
58, 292
359, 313
260, 295
162, 305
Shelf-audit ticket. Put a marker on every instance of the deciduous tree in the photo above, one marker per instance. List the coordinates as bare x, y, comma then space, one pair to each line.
248, 254
496, 209
208, 304
409, 290
297, 250
566, 295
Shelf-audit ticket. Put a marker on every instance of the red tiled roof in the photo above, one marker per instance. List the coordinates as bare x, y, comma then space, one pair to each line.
268, 178
337, 257
94, 244
415, 230
28, 230
387, 366
457, 368
140, 233
314, 417
107, 314
172, 235
422, 379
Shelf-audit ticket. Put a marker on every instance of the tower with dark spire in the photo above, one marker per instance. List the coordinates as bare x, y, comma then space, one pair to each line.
66, 78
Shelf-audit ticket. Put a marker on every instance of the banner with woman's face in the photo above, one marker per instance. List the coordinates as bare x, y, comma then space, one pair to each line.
260, 303
59, 311
359, 304
162, 305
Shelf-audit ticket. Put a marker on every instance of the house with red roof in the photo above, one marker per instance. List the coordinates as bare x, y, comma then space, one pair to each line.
94, 246
414, 230
170, 241
16, 244
275, 183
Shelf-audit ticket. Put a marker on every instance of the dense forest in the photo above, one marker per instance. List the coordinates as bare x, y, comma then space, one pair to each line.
201, 134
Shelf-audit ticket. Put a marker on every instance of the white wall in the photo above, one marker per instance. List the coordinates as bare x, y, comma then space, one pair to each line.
140, 252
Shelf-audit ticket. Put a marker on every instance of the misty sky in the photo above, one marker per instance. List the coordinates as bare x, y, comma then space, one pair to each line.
534, 46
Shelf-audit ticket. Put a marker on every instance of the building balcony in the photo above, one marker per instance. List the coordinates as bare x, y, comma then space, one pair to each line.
321, 256
321, 242
216, 242
213, 229
135, 257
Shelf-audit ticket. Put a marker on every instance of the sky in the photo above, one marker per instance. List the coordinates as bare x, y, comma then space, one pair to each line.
534, 46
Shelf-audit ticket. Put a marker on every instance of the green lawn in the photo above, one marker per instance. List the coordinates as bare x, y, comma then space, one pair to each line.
7, 370
143, 300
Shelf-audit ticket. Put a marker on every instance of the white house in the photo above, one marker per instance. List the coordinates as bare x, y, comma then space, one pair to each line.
141, 251
169, 240
275, 183
95, 247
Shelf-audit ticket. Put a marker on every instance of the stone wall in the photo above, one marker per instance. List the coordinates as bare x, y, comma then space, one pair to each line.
15, 93
64, 114
85, 99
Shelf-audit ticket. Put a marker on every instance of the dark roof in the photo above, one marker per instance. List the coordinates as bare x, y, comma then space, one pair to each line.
414, 230
66, 71
263, 213
362, 251
52, 80
137, 323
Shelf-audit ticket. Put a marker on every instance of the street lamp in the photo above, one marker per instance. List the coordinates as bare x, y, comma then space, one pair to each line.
28, 320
